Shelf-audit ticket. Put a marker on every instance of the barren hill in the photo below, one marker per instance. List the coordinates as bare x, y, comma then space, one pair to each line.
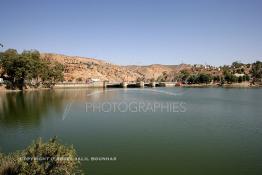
81, 69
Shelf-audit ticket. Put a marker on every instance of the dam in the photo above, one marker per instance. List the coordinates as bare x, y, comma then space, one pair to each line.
107, 84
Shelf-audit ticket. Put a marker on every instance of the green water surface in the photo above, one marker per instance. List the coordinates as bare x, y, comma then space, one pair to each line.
218, 133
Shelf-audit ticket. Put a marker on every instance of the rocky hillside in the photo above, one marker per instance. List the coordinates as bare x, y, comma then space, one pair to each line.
81, 69
157, 70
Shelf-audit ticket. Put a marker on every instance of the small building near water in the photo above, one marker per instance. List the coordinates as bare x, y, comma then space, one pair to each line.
239, 75
1, 80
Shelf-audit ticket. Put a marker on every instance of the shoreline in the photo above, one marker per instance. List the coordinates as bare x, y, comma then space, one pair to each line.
234, 85
3, 89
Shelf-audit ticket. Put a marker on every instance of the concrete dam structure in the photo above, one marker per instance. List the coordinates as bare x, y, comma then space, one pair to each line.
106, 84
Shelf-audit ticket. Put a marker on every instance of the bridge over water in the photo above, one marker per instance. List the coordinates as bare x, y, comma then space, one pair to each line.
108, 84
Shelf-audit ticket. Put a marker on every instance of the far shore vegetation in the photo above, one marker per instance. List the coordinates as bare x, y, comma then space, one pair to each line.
227, 74
27, 70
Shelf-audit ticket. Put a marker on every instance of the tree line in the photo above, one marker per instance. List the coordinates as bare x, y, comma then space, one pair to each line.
25, 69
236, 73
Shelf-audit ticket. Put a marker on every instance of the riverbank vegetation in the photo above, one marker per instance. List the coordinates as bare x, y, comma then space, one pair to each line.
27, 70
235, 73
41, 158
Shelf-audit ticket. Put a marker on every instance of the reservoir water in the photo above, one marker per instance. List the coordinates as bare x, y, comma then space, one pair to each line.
182, 131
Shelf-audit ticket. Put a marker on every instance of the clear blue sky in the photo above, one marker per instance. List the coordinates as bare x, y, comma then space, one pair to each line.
215, 32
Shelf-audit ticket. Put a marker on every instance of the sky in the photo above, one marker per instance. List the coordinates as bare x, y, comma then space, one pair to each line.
142, 32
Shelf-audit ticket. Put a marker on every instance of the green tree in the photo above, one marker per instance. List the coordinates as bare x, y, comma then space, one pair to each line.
51, 73
256, 71
22, 68
184, 75
217, 78
204, 78
237, 64
240, 79
246, 77
16, 66
229, 77
192, 79
79, 79
41, 158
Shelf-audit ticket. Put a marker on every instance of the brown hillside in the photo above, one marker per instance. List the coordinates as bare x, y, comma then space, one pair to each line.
77, 68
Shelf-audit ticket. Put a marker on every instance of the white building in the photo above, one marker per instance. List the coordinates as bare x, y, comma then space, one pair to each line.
95, 79
239, 75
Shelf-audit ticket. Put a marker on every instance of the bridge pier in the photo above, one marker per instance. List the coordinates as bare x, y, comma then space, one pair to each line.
124, 84
162, 84
104, 84
141, 84
153, 84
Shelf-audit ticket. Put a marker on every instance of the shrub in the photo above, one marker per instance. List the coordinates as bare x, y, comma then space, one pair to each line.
256, 71
79, 79
47, 162
240, 79
203, 78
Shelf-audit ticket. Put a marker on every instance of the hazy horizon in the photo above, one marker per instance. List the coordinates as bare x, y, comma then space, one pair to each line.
137, 33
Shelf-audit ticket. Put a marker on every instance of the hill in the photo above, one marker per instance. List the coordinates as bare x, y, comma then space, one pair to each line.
81, 69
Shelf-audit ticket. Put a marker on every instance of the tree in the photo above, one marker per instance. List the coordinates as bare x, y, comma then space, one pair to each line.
184, 75
16, 66
192, 79
52, 73
256, 71
217, 78
240, 79
57, 72
236, 64
79, 79
162, 77
22, 68
203, 78
246, 77
41, 158
152, 79
139, 79
229, 77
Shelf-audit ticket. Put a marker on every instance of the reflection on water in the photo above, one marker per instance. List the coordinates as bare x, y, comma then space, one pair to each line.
220, 133
28, 107
18, 108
